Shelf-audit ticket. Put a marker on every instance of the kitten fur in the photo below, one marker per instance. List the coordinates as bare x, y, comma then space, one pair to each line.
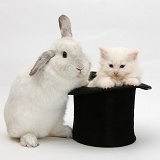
118, 66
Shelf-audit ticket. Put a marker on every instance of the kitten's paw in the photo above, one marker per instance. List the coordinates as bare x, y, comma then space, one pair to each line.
29, 140
106, 84
132, 82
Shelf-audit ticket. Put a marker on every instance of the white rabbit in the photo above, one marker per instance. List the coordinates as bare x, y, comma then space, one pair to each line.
37, 102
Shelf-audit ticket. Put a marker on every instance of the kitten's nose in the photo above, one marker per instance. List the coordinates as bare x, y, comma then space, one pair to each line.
116, 73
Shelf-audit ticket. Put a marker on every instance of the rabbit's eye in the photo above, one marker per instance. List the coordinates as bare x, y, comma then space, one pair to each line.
64, 54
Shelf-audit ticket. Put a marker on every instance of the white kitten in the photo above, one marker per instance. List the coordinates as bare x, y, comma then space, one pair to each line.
119, 66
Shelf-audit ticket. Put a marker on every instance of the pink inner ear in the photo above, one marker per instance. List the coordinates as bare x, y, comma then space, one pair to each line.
103, 52
133, 55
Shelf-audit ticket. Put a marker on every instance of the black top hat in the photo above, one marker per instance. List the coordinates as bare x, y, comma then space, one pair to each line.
104, 117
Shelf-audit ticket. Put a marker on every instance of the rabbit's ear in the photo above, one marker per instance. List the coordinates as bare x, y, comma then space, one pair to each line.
42, 61
65, 26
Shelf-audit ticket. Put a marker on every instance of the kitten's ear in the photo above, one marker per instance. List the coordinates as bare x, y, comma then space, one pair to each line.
104, 52
133, 55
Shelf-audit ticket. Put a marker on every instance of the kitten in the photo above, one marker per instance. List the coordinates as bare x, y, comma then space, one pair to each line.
119, 66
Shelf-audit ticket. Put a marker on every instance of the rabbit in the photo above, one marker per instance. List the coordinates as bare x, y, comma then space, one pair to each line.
38, 97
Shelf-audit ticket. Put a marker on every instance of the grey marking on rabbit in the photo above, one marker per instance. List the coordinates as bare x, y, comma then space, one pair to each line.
65, 26
42, 60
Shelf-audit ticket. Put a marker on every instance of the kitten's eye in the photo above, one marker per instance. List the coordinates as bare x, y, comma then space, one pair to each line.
111, 65
122, 66
64, 54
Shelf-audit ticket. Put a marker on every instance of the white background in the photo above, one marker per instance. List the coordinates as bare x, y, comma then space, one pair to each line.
29, 27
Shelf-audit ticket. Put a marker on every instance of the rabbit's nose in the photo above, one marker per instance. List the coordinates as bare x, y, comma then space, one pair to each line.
79, 69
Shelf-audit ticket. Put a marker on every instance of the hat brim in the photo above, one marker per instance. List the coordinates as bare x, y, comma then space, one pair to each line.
89, 90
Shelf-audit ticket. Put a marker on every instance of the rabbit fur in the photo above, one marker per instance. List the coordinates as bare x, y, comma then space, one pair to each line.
38, 97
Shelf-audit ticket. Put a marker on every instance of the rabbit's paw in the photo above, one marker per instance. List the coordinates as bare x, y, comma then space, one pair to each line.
66, 132
133, 82
29, 140
91, 84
